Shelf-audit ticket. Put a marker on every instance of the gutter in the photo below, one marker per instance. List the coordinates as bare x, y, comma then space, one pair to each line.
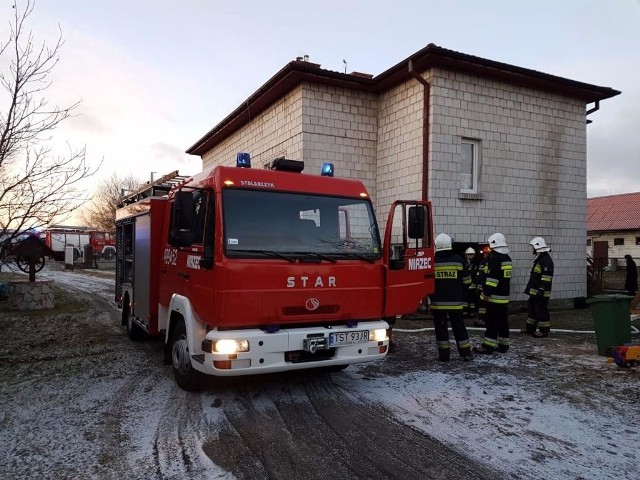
425, 129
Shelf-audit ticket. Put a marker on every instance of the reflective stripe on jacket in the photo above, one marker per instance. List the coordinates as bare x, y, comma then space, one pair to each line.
452, 280
497, 285
541, 276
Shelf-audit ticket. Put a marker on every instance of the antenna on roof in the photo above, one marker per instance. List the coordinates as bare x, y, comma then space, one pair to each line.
345, 65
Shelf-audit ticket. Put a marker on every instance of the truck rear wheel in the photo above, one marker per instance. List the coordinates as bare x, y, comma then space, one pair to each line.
134, 332
186, 376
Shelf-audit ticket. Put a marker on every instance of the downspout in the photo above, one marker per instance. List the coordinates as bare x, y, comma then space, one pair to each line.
591, 110
425, 130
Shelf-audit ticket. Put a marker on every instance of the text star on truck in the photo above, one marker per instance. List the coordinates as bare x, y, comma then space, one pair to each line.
247, 271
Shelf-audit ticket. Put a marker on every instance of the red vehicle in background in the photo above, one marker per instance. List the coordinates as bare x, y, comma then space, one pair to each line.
58, 237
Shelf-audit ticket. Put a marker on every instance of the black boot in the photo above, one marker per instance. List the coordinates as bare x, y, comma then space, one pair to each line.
444, 354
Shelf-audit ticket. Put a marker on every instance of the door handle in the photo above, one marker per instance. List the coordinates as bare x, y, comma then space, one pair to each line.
184, 275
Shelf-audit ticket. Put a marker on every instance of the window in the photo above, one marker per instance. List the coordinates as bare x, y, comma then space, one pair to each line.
588, 242
469, 151
268, 224
618, 241
637, 240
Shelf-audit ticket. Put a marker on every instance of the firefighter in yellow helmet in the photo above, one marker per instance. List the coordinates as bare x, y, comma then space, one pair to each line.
539, 290
495, 291
449, 298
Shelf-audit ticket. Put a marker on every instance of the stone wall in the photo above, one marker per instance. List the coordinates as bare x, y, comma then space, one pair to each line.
31, 295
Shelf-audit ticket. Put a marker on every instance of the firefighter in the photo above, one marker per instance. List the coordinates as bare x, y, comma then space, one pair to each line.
479, 281
539, 290
495, 291
449, 298
471, 306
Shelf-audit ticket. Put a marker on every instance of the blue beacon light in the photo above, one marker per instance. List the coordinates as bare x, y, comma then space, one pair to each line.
327, 170
243, 160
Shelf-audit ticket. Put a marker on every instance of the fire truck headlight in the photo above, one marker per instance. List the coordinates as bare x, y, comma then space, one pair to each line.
378, 335
230, 346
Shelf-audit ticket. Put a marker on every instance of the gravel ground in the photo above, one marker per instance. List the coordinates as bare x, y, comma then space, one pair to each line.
78, 400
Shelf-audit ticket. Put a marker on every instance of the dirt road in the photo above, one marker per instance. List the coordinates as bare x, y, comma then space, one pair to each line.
79, 400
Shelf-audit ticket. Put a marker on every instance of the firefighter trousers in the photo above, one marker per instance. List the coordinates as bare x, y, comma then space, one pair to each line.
538, 315
441, 318
496, 335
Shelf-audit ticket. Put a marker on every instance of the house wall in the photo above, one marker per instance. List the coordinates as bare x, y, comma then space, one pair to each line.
532, 158
340, 126
274, 133
399, 147
532, 172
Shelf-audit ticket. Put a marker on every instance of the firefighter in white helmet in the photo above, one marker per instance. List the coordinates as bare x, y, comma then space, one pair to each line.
539, 290
495, 291
449, 298
471, 306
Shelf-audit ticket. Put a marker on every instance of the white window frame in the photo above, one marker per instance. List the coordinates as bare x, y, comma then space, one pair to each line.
475, 144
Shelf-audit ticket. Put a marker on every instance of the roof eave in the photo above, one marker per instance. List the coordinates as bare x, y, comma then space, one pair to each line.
296, 72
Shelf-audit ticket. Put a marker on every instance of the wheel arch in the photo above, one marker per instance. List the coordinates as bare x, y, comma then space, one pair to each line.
180, 310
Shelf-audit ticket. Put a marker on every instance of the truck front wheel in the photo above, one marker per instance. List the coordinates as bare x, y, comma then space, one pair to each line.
186, 376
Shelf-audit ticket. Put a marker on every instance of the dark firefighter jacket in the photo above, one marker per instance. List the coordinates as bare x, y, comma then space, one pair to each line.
497, 283
539, 284
474, 268
452, 281
481, 276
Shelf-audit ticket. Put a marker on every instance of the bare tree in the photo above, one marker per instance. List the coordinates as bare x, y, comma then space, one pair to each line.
101, 210
36, 185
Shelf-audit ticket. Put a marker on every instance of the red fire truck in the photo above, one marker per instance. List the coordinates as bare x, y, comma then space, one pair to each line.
247, 271
58, 237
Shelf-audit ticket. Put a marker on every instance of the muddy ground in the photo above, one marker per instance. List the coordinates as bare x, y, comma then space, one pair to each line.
79, 400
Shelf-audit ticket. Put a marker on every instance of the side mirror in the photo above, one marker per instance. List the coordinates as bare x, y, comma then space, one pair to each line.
416, 227
206, 263
396, 264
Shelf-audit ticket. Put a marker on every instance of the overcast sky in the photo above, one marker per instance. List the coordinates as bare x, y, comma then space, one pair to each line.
154, 76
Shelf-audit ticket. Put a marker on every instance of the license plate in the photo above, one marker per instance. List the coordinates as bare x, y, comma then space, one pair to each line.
348, 338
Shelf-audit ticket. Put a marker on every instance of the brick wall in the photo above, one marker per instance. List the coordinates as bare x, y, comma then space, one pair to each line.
532, 159
399, 148
532, 172
274, 133
340, 126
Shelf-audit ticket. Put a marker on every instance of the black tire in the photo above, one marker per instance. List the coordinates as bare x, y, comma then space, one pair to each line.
23, 264
134, 332
186, 376
109, 254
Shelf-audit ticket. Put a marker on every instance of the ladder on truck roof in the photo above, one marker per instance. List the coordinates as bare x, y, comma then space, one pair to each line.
158, 188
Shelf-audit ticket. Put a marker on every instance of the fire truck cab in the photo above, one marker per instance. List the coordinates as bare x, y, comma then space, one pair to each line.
246, 271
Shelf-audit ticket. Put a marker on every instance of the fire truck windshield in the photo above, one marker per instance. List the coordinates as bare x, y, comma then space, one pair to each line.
259, 223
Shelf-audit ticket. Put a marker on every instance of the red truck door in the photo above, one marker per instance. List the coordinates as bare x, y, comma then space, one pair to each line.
408, 256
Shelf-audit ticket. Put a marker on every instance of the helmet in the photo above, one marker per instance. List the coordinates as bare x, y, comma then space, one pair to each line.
443, 242
470, 251
539, 245
498, 243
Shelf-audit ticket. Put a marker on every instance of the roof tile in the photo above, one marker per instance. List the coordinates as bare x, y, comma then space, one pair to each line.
614, 212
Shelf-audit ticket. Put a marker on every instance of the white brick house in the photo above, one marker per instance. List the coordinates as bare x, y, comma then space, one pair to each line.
501, 148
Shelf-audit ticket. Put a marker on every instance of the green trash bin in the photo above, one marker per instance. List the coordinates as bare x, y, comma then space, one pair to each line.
611, 319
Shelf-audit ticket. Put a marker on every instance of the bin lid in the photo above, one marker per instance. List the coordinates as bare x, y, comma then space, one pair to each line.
615, 297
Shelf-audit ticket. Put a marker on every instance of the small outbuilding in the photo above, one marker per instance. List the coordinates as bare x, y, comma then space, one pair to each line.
613, 228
